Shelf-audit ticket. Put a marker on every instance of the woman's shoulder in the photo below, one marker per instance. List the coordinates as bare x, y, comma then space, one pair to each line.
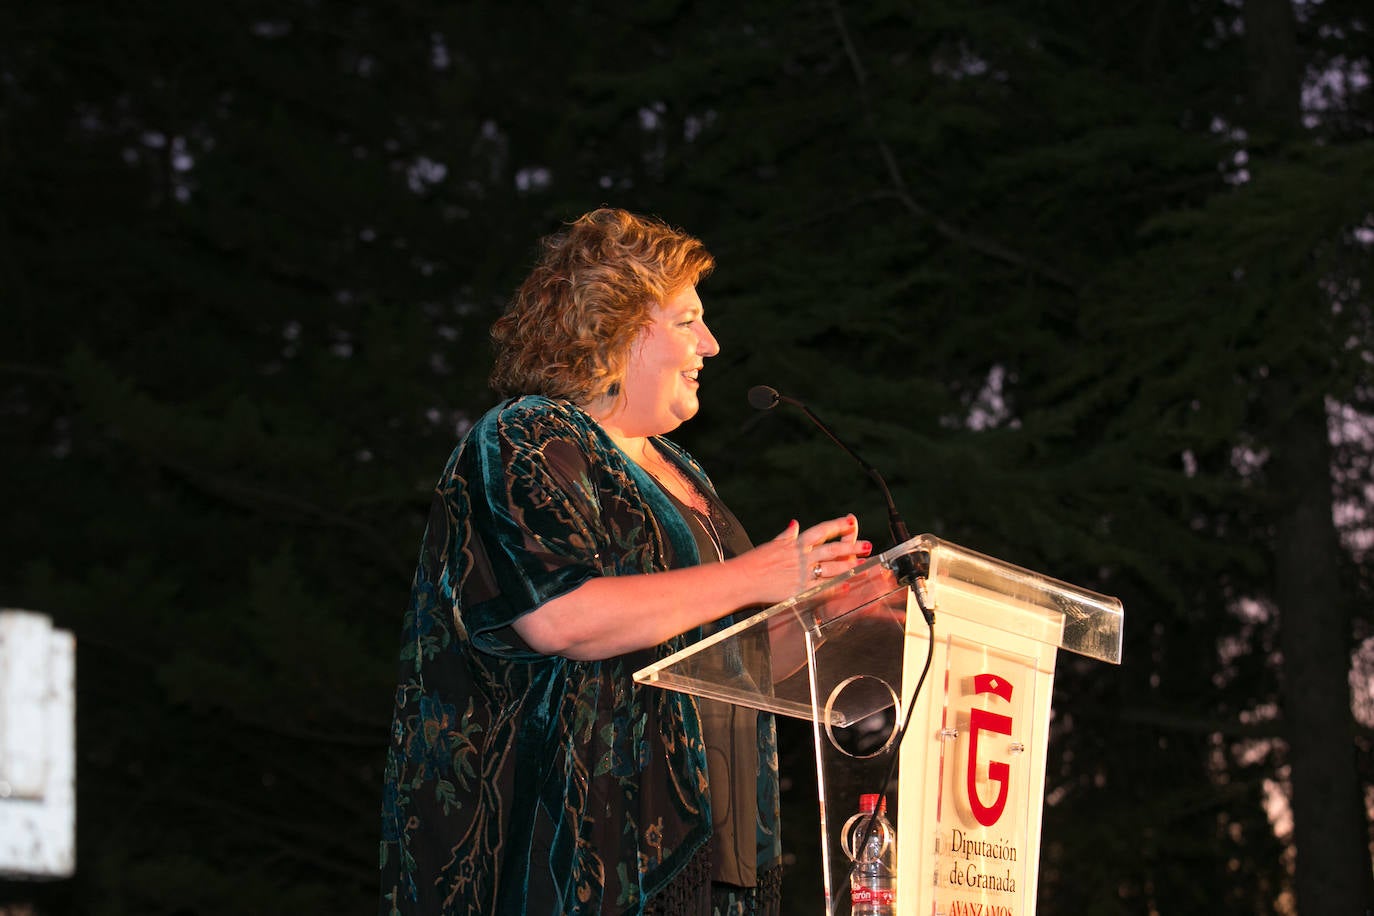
535, 417
535, 408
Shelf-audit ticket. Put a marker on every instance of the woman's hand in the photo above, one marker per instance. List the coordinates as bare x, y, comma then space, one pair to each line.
796, 560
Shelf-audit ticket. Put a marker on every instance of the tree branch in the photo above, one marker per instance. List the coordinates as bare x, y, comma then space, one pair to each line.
1230, 728
1268, 729
901, 192
251, 497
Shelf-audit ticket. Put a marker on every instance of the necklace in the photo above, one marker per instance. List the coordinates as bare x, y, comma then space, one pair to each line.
712, 534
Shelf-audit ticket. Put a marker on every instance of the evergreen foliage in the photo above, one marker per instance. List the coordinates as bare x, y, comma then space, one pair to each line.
1072, 275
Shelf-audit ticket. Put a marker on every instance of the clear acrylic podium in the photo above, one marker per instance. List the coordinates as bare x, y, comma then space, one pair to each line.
965, 786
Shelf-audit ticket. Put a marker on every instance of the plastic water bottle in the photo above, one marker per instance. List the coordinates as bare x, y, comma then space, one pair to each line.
873, 879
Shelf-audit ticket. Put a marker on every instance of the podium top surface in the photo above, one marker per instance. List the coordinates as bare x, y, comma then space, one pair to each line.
854, 622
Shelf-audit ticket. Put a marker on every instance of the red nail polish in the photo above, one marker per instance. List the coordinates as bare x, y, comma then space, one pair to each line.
865, 548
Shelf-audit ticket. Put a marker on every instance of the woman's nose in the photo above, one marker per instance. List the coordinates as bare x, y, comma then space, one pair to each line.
707, 345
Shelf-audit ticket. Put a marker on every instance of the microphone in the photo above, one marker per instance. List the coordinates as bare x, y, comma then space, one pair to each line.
761, 397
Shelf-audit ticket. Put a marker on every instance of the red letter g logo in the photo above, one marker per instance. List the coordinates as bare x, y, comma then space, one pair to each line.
979, 721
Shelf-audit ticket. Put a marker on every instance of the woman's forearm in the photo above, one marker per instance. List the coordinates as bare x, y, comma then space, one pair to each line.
612, 615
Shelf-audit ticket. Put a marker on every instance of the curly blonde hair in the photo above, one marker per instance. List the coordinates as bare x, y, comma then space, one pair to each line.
568, 330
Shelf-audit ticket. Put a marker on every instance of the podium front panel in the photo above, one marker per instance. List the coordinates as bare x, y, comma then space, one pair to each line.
972, 774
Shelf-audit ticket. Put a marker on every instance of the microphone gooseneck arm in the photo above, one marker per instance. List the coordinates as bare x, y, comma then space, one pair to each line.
761, 397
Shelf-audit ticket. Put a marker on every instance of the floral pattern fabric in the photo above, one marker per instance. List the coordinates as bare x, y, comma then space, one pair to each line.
518, 783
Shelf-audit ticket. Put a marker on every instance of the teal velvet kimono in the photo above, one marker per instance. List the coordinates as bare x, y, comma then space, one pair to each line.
520, 783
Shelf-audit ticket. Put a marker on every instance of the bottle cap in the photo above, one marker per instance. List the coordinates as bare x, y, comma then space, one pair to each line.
869, 803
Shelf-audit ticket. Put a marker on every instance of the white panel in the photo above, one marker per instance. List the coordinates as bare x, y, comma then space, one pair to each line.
37, 747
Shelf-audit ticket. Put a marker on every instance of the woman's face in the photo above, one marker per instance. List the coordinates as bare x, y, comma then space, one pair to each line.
659, 391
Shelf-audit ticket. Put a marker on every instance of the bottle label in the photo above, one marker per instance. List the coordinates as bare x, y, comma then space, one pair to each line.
870, 896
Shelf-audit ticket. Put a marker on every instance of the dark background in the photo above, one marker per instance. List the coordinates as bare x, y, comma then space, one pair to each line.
1089, 282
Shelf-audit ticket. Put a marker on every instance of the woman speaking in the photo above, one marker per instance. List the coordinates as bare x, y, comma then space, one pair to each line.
570, 544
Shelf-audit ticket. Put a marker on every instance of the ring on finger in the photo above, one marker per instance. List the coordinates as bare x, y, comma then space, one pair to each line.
816, 571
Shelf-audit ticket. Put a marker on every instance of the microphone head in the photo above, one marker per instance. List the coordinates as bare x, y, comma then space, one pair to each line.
761, 397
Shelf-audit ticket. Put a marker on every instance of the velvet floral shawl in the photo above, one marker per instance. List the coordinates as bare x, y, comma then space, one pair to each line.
518, 783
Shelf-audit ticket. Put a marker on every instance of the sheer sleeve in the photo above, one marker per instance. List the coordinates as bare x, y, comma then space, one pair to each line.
536, 526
